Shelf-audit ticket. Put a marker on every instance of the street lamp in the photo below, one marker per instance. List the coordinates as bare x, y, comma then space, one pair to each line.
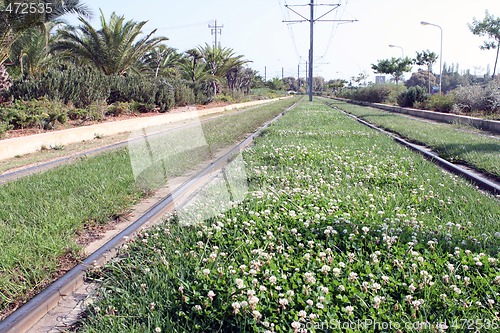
402, 51
440, 53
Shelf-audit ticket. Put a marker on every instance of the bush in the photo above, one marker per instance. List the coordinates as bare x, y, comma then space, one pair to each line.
476, 98
118, 108
411, 96
440, 103
377, 93
4, 127
184, 94
81, 86
36, 113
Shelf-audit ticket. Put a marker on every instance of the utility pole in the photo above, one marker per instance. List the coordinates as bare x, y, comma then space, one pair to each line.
216, 30
311, 21
311, 51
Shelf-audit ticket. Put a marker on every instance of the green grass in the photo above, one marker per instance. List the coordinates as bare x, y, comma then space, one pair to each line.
41, 215
342, 229
453, 142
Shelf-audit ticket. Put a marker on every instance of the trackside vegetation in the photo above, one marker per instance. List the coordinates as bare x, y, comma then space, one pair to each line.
462, 144
42, 215
342, 231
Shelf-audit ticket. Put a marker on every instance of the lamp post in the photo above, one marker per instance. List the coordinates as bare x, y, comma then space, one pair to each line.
440, 53
402, 51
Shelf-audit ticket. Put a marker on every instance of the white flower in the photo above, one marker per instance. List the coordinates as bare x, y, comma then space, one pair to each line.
211, 295
325, 269
272, 279
240, 284
252, 300
256, 314
349, 309
158, 330
206, 271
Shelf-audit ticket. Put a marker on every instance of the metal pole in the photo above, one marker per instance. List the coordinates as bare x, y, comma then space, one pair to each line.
440, 54
216, 33
311, 52
440, 61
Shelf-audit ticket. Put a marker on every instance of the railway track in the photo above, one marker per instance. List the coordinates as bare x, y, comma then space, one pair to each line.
28, 315
482, 181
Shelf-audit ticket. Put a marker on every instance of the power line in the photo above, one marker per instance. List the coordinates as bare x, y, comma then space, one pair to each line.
216, 30
311, 21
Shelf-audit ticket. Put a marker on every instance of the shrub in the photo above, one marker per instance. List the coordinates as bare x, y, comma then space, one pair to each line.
476, 98
4, 127
440, 103
118, 108
414, 94
35, 113
81, 86
184, 94
377, 93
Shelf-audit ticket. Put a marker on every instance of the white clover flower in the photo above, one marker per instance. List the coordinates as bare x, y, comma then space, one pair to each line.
324, 290
325, 269
240, 284
253, 300
158, 330
256, 314
309, 302
272, 279
341, 288
206, 271
349, 309
283, 302
336, 271
211, 295
197, 307
353, 276
296, 326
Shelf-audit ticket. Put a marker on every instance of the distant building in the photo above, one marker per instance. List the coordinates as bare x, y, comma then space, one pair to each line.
380, 79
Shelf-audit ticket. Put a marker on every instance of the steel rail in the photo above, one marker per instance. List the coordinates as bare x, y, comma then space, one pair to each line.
31, 312
480, 181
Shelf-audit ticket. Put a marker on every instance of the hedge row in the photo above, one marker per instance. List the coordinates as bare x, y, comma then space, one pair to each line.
83, 86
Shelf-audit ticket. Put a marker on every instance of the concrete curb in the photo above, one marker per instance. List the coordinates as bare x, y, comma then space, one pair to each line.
487, 125
29, 144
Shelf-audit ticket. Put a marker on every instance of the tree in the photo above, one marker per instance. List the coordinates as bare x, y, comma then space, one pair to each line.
426, 58
114, 49
193, 66
421, 78
490, 28
394, 66
14, 22
162, 60
219, 61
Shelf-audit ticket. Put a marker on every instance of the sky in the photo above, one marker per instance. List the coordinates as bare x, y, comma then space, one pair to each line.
255, 29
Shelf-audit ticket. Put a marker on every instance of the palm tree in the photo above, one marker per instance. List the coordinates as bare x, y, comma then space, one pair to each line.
30, 52
220, 61
194, 67
14, 22
114, 49
162, 60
